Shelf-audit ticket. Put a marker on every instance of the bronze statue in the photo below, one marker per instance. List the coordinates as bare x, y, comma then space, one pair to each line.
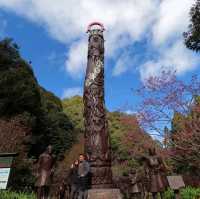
136, 184
44, 173
97, 143
155, 168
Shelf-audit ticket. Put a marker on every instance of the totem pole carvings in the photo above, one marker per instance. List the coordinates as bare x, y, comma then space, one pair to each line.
97, 143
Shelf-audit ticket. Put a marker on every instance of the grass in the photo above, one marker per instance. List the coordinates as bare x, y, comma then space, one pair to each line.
186, 193
16, 195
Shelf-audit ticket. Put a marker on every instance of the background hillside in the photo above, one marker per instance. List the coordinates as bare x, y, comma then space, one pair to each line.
31, 118
128, 140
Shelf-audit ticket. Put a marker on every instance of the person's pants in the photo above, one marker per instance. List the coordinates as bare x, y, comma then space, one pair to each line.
43, 192
136, 196
82, 194
74, 192
83, 187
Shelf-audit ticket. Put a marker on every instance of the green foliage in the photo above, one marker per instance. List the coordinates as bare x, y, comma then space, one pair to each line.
128, 142
60, 132
185, 141
197, 100
186, 193
50, 101
190, 193
57, 129
118, 130
15, 195
9, 53
73, 108
19, 89
41, 110
169, 194
21, 94
177, 122
192, 37
21, 177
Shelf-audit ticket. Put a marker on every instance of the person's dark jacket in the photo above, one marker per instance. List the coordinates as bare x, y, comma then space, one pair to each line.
83, 173
83, 168
73, 175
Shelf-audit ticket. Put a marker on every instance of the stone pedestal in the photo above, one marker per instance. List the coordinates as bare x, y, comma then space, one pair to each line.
104, 194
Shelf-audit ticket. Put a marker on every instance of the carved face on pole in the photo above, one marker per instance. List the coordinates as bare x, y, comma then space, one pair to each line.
96, 44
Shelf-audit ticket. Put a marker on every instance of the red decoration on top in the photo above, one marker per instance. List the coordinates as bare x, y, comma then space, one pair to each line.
95, 23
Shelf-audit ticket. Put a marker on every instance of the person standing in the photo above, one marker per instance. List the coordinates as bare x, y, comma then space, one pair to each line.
83, 174
74, 180
44, 173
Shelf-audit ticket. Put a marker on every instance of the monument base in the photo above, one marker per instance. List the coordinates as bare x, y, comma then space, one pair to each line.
104, 194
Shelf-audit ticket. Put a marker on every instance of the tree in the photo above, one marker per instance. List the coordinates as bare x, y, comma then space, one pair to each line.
29, 114
170, 102
42, 111
163, 96
73, 108
192, 37
19, 89
185, 140
129, 142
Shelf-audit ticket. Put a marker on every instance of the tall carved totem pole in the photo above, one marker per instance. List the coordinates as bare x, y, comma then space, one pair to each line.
97, 142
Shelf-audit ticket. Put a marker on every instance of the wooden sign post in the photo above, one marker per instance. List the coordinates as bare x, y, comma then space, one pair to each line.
176, 183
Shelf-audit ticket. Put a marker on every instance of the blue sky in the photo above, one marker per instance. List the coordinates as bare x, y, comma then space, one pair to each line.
141, 38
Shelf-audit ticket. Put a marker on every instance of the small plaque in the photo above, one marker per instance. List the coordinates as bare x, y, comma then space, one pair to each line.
5, 167
175, 182
4, 175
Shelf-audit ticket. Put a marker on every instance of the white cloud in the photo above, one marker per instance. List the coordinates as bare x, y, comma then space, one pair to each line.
176, 58
67, 20
128, 21
70, 92
167, 40
130, 112
123, 64
76, 61
172, 20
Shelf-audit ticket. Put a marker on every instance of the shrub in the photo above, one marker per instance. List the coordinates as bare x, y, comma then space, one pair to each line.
190, 193
186, 193
169, 194
15, 195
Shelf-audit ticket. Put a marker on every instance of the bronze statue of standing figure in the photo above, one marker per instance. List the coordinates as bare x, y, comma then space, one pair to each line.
44, 173
136, 184
155, 170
